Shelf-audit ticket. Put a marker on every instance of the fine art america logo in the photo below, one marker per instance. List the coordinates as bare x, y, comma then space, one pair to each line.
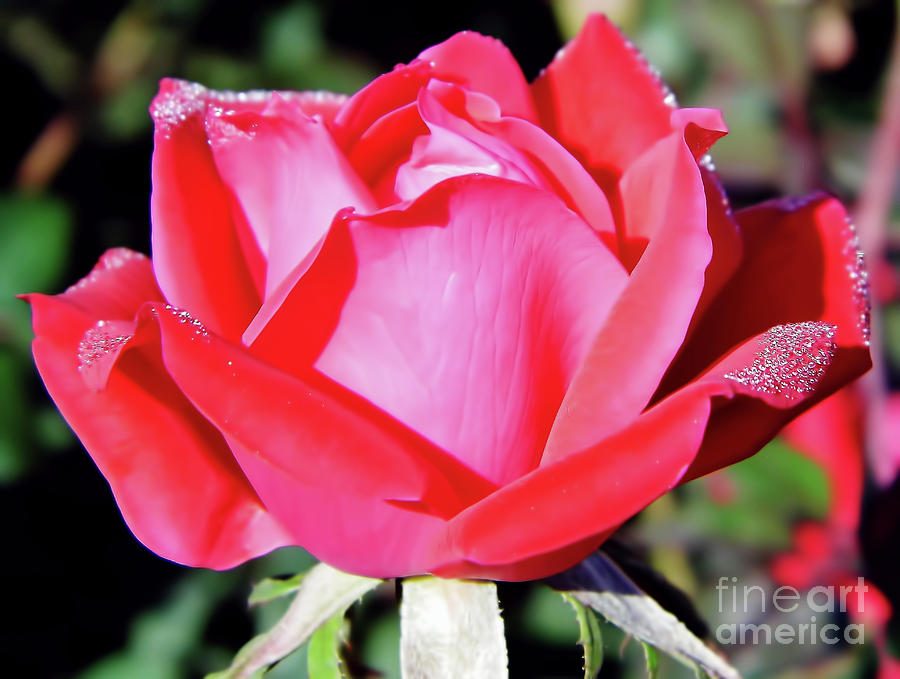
791, 617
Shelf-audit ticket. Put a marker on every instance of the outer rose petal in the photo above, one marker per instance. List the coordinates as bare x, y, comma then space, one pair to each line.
601, 100
204, 258
585, 494
289, 177
663, 195
555, 515
345, 479
195, 507
470, 310
726, 238
808, 248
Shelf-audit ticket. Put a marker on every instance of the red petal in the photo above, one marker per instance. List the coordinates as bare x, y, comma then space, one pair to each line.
317, 103
201, 259
663, 197
586, 493
485, 65
800, 263
118, 284
336, 472
289, 177
172, 474
477, 62
602, 101
556, 514
386, 93
533, 148
455, 147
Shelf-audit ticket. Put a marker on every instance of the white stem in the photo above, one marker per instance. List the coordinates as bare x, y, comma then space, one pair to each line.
451, 629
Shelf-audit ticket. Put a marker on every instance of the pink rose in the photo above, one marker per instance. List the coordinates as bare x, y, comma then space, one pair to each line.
454, 323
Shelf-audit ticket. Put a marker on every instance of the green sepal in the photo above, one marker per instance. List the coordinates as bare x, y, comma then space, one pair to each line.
652, 658
589, 636
269, 589
323, 593
323, 659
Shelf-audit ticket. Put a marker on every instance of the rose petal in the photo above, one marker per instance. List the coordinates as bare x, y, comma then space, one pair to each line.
525, 145
204, 258
485, 65
584, 494
663, 195
317, 103
602, 101
380, 97
803, 246
195, 507
455, 147
469, 310
772, 388
563, 510
461, 59
384, 147
289, 177
118, 284
310, 444
726, 239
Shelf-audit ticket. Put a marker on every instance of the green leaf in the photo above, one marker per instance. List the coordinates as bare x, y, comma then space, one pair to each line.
652, 658
34, 244
323, 658
599, 584
269, 589
590, 637
451, 628
324, 592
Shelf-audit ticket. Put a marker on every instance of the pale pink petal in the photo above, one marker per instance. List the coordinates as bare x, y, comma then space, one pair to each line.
469, 312
289, 177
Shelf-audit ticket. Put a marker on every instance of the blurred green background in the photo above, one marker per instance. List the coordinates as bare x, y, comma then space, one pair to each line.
802, 87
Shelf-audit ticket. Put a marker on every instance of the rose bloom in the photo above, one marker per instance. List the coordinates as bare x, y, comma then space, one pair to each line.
454, 323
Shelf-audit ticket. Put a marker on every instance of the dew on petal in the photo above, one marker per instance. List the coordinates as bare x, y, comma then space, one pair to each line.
98, 349
185, 318
173, 107
345, 214
790, 361
706, 161
186, 99
668, 96
859, 280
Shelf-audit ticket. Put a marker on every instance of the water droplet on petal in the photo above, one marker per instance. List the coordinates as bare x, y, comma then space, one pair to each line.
345, 214
859, 280
99, 348
185, 318
790, 361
